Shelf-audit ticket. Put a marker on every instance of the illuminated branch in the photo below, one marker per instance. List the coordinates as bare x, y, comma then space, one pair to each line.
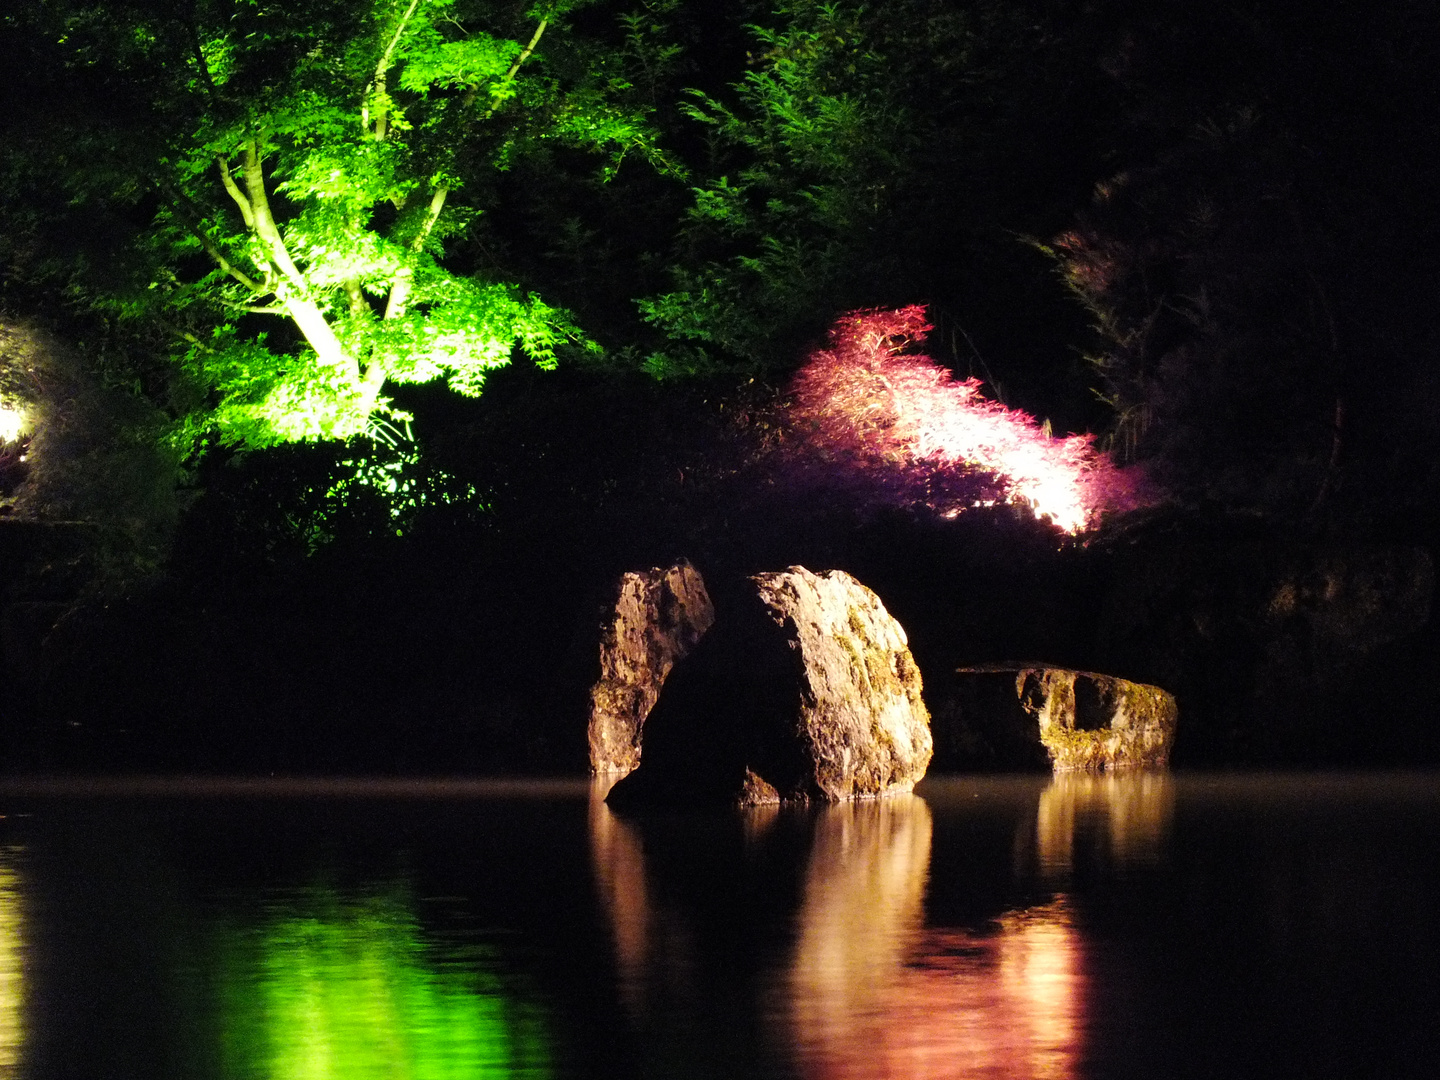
239, 275
497, 95
400, 291
358, 306
305, 313
378, 82
235, 193
209, 245
432, 215
263, 222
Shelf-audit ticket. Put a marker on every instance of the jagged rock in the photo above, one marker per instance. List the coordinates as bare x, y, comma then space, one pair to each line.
657, 617
804, 690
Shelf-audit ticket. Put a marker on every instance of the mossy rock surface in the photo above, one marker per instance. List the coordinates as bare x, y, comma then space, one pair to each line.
1084, 720
1093, 721
803, 691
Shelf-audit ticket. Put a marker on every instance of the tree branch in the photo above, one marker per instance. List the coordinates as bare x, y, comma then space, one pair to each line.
258, 309
214, 252
358, 306
400, 291
432, 215
378, 82
497, 95
193, 32
186, 335
264, 221
294, 292
243, 203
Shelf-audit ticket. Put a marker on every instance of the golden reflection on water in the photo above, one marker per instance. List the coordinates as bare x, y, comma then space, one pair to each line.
1128, 812
12, 972
863, 904
619, 863
875, 994
868, 991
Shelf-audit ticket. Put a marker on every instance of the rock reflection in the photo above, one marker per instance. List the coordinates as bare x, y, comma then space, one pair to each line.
874, 994
860, 988
863, 905
1129, 814
619, 863
696, 904
327, 987
12, 972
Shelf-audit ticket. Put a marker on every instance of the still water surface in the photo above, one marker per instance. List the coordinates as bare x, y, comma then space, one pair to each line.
1020, 927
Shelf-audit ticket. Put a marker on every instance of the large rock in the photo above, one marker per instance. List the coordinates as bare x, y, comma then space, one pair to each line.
1083, 720
656, 618
1090, 721
804, 690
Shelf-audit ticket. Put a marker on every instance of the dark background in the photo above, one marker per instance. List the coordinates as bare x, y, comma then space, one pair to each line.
1206, 234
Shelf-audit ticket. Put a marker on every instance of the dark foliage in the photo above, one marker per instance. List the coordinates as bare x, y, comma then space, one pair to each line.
1255, 269
1259, 262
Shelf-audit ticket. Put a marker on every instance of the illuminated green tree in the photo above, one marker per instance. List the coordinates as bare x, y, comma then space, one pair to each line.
306, 167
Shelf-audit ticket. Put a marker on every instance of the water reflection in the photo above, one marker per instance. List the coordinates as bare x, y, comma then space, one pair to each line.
861, 988
332, 988
875, 994
695, 904
1007, 1002
861, 909
1128, 814
1097, 926
619, 863
12, 971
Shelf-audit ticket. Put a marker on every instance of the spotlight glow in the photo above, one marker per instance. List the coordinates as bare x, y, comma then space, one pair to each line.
13, 422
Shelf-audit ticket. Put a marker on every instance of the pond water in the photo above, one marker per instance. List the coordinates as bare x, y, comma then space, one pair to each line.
1019, 927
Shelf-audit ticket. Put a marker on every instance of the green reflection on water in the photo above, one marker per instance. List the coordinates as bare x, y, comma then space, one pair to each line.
330, 989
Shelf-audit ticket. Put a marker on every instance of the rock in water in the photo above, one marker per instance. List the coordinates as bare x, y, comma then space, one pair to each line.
1090, 721
657, 618
804, 690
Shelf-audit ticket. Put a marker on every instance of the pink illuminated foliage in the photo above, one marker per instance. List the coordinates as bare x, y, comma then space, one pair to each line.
869, 404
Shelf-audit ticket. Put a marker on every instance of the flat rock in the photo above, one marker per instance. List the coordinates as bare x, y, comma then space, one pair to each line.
656, 617
1089, 721
804, 690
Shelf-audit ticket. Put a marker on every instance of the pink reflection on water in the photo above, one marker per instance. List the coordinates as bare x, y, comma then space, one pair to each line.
867, 991
1009, 1004
873, 993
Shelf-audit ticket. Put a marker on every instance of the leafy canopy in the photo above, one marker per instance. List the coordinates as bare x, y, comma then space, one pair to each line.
308, 175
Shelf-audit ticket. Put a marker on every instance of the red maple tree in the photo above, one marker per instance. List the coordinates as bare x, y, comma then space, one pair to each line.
868, 401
